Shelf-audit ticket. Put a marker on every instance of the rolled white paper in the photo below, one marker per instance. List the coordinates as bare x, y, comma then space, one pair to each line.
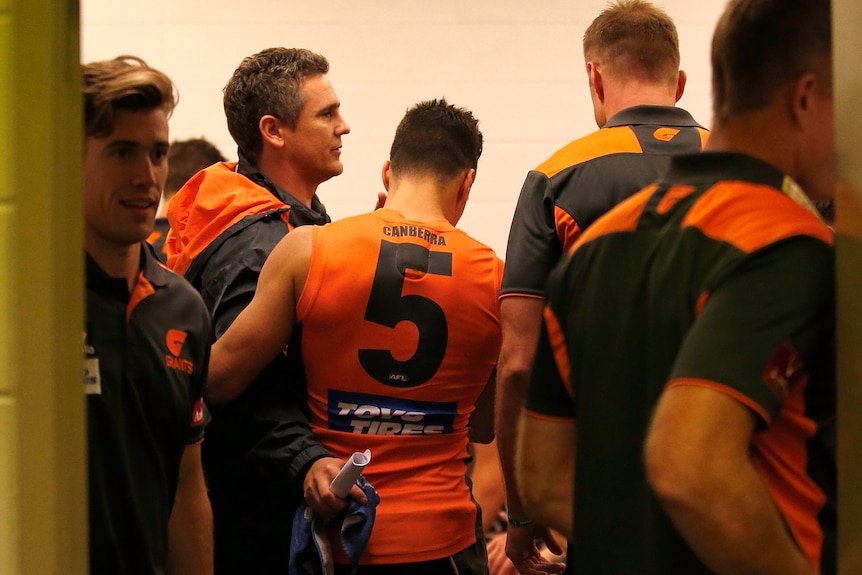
350, 473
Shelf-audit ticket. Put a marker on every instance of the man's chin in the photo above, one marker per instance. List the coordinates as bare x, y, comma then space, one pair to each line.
336, 170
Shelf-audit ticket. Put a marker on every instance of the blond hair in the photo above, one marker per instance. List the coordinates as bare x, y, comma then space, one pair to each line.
125, 83
634, 38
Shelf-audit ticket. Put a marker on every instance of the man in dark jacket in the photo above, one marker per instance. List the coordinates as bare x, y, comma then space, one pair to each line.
260, 454
185, 159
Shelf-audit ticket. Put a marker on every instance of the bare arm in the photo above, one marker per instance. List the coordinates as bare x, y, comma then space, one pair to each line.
190, 529
546, 470
263, 329
521, 319
482, 418
698, 464
487, 481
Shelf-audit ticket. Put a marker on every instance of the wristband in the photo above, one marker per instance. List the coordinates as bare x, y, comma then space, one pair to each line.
518, 522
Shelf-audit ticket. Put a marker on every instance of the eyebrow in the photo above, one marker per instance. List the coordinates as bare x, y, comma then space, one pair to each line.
329, 108
135, 144
123, 144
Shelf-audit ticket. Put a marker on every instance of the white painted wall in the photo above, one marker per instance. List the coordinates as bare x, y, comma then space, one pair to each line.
517, 65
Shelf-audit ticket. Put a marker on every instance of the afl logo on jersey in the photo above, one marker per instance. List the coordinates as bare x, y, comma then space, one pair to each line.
665, 134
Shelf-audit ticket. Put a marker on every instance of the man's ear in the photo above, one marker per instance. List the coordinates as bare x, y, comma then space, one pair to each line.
387, 174
271, 130
680, 84
596, 80
466, 185
803, 98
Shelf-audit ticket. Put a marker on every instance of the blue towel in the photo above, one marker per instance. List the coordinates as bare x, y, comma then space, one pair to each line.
310, 553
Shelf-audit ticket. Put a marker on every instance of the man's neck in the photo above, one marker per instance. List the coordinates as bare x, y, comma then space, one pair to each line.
637, 94
121, 262
420, 200
288, 179
758, 135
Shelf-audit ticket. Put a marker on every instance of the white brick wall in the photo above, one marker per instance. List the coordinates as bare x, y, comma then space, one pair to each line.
517, 65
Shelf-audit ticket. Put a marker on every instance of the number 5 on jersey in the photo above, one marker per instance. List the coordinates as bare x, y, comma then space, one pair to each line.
387, 306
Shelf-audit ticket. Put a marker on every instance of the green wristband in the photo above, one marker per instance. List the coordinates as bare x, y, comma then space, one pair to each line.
518, 522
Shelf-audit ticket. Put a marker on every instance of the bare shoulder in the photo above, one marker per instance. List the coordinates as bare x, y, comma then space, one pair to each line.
295, 245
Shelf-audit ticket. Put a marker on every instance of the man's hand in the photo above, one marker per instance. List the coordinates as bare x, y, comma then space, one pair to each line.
522, 550
316, 490
498, 562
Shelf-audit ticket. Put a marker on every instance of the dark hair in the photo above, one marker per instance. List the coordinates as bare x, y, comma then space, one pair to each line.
124, 83
186, 158
438, 138
634, 38
761, 45
267, 83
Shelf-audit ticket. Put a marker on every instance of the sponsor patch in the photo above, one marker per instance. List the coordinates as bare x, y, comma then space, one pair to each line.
784, 371
92, 375
369, 414
198, 412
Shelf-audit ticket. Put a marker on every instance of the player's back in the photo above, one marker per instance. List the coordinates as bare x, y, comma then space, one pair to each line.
663, 289
400, 333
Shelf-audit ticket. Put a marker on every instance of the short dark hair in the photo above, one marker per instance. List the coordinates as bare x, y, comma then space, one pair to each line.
634, 38
186, 158
124, 83
268, 82
438, 138
761, 45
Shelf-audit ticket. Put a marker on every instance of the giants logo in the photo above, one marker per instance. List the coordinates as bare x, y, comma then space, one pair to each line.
175, 340
665, 134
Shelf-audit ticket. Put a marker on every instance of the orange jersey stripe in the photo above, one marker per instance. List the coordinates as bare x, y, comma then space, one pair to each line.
567, 228
780, 454
704, 136
672, 196
626, 216
143, 290
617, 140
701, 301
155, 235
726, 213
